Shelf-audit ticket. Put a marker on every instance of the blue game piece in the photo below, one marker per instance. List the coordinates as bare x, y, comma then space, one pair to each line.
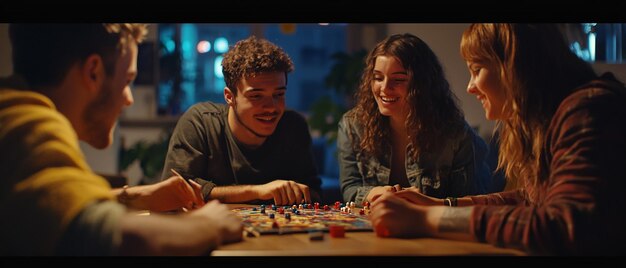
253, 209
287, 216
271, 215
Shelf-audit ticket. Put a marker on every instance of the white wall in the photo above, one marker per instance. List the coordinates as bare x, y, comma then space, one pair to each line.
619, 70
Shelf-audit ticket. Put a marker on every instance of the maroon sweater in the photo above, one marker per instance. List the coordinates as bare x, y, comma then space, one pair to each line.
581, 207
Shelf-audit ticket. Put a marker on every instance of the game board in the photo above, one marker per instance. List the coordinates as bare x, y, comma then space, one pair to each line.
308, 220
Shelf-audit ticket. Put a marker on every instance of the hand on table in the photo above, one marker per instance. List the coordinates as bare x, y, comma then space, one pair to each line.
284, 192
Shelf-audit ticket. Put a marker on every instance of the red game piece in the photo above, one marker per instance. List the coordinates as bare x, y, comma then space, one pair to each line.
275, 224
326, 207
362, 212
317, 205
337, 231
381, 231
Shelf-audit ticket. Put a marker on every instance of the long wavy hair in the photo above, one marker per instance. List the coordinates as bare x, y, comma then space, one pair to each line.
433, 114
537, 71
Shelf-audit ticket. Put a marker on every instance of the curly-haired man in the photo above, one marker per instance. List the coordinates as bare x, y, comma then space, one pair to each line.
250, 149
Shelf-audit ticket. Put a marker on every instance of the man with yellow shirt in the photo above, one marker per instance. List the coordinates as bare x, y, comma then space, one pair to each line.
71, 82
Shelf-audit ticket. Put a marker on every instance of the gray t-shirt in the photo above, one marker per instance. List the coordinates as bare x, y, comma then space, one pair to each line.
203, 147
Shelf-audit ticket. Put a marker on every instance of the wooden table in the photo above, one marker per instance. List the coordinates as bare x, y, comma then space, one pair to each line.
354, 244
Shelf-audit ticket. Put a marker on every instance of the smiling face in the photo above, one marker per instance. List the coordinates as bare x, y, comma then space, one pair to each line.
486, 85
101, 114
257, 107
390, 87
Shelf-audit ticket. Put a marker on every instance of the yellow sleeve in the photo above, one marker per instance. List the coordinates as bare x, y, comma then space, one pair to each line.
45, 181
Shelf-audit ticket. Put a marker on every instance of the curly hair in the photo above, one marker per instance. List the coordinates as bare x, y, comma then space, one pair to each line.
252, 56
538, 71
67, 44
434, 113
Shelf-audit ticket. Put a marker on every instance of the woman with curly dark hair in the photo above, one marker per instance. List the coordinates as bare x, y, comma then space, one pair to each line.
407, 129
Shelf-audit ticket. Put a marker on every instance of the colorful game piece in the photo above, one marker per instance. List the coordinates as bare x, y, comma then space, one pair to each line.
253, 209
272, 215
326, 207
362, 212
337, 205
300, 207
316, 205
337, 231
275, 225
382, 231
287, 216
262, 210
281, 211
316, 235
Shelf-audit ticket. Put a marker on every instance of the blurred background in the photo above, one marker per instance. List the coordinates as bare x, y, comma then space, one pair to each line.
179, 65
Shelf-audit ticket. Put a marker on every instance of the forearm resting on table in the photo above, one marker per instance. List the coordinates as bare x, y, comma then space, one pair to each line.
245, 193
234, 193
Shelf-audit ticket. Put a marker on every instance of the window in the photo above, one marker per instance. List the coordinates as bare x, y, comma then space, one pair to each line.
598, 42
191, 54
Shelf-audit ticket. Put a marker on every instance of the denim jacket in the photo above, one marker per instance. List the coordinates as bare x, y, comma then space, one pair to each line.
457, 169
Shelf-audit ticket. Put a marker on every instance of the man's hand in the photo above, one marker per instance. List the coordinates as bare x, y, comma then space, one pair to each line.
228, 224
284, 192
171, 194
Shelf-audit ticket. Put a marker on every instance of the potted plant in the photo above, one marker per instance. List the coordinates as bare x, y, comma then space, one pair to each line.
151, 157
344, 78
